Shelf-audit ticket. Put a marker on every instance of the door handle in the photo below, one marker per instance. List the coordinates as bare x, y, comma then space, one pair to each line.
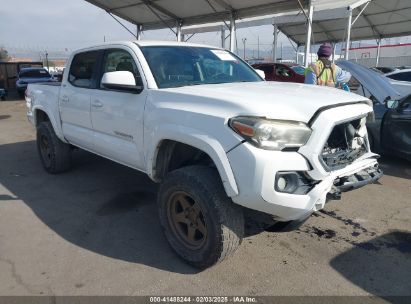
65, 99
97, 104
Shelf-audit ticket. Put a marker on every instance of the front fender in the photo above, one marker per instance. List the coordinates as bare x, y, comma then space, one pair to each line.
196, 139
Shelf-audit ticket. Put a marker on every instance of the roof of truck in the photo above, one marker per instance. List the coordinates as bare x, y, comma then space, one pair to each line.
166, 43
142, 43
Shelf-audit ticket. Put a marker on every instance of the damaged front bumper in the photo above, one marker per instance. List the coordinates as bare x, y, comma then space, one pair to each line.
258, 171
355, 181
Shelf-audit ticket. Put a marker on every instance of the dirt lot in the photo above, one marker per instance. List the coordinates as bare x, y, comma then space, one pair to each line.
94, 231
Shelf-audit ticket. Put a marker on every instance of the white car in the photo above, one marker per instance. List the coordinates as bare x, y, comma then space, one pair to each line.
204, 124
401, 80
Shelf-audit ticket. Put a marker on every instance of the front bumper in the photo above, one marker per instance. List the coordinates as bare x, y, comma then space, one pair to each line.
255, 171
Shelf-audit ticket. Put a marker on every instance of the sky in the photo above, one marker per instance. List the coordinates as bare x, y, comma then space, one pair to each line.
57, 24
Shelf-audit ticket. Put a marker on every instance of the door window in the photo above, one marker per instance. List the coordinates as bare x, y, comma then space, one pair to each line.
283, 71
82, 69
120, 60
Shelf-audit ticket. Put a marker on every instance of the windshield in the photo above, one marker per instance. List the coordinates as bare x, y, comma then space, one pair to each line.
176, 66
298, 69
34, 73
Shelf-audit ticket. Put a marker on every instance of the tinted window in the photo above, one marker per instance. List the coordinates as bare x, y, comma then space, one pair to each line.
120, 60
174, 66
268, 69
82, 69
298, 69
282, 71
34, 73
406, 76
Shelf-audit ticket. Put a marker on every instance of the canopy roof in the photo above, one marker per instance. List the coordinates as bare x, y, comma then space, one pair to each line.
156, 14
380, 19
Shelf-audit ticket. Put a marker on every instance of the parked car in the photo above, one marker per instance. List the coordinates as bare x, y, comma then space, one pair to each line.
385, 70
31, 75
3, 94
400, 75
390, 131
284, 72
204, 124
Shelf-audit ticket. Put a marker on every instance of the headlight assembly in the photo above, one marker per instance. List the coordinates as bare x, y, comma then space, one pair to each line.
271, 134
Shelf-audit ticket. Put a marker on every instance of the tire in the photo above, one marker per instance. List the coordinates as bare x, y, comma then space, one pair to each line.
55, 155
195, 195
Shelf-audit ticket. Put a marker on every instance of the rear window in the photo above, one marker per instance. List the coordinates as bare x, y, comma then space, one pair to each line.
35, 73
82, 69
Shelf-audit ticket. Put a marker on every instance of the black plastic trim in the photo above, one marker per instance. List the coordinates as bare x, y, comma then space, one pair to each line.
322, 109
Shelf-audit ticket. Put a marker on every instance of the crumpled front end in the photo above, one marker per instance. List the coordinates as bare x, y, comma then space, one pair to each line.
293, 184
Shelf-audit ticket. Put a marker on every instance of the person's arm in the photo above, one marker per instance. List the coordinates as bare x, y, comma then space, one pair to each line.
343, 76
310, 77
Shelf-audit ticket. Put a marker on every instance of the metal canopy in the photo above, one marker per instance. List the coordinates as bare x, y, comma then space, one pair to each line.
380, 19
157, 14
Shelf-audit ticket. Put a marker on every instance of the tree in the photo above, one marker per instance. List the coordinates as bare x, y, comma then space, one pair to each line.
4, 55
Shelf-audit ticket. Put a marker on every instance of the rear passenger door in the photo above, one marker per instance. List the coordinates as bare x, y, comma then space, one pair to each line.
116, 115
75, 98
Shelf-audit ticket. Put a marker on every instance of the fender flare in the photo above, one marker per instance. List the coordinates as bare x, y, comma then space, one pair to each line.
56, 125
197, 139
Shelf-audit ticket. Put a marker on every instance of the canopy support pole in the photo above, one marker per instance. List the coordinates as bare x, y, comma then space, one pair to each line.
296, 53
377, 60
275, 42
179, 33
139, 31
232, 33
349, 24
334, 48
126, 28
222, 37
309, 33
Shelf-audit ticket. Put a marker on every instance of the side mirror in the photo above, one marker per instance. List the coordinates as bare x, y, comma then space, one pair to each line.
392, 104
120, 80
260, 73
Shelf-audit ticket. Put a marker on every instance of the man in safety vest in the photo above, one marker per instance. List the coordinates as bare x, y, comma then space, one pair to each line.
325, 73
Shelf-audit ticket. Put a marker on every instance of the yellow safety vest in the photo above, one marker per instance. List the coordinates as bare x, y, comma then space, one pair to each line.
325, 76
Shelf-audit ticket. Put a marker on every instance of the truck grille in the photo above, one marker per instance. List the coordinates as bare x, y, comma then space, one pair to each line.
345, 144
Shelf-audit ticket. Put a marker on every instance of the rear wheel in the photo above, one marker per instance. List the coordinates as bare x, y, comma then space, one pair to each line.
200, 222
55, 155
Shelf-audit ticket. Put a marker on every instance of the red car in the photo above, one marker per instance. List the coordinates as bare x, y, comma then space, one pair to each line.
284, 72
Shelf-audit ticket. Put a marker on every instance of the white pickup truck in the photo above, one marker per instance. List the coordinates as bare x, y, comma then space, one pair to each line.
204, 124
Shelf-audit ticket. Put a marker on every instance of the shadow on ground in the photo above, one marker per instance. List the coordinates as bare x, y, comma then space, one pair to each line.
380, 266
394, 166
98, 205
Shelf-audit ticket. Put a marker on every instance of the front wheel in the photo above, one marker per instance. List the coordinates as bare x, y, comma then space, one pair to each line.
200, 222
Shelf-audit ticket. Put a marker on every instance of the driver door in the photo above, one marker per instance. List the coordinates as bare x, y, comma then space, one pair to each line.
116, 115
396, 134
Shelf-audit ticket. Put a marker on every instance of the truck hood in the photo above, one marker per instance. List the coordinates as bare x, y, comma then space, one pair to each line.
273, 100
378, 85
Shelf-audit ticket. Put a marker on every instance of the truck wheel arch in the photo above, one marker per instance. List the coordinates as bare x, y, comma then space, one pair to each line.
170, 154
40, 114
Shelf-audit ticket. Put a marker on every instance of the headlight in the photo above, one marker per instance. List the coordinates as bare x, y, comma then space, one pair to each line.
271, 134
